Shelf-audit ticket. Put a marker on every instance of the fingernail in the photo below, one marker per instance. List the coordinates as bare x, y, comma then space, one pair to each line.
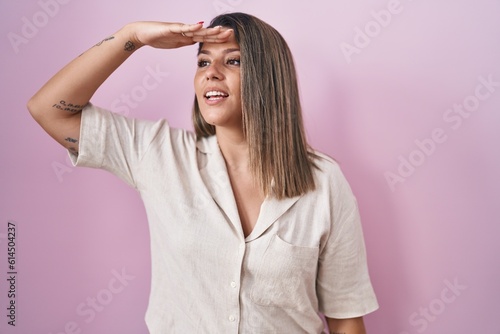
201, 22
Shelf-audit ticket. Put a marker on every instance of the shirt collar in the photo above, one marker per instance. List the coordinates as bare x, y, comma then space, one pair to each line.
207, 145
215, 176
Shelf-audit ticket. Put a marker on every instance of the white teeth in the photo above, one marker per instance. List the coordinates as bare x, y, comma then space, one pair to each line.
215, 93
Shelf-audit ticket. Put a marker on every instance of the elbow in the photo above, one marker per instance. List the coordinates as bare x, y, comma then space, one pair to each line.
34, 108
31, 106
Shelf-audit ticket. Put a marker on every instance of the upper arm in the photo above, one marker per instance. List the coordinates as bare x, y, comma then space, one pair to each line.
61, 124
346, 326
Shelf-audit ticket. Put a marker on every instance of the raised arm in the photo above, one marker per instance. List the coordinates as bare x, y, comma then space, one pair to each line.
57, 106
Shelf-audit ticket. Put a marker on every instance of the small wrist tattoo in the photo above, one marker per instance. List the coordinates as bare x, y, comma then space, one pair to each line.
129, 46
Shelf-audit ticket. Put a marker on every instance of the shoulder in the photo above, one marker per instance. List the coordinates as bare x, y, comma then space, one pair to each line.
329, 175
156, 135
326, 166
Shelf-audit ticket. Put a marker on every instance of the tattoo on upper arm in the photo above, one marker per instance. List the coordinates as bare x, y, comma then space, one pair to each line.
129, 46
73, 150
71, 140
70, 107
105, 40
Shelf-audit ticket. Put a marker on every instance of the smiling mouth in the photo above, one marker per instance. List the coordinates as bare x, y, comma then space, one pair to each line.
215, 95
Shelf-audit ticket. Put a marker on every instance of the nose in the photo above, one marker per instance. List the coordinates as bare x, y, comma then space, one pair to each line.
214, 72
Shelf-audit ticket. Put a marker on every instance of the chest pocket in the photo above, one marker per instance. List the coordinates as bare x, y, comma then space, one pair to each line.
286, 276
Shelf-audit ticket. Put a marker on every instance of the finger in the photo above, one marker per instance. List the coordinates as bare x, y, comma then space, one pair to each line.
209, 31
203, 32
187, 30
219, 37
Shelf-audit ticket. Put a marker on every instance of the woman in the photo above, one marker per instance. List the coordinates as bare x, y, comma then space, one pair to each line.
251, 230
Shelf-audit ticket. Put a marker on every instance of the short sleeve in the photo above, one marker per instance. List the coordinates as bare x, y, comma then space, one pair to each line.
343, 284
115, 143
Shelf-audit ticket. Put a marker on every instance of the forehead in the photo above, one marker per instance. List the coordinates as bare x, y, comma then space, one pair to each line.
220, 48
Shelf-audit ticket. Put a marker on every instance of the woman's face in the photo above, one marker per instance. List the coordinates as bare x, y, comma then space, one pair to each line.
217, 83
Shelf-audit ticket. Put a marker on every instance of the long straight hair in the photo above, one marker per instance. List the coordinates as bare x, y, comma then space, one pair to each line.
280, 158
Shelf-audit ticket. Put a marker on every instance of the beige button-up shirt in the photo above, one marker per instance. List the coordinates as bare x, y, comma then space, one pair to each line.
305, 255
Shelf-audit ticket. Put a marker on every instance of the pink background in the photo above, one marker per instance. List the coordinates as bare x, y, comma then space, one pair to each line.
432, 240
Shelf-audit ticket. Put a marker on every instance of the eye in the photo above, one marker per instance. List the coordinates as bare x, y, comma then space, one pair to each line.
203, 63
233, 61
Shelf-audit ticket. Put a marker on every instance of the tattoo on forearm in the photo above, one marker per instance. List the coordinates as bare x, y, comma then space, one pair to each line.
129, 46
70, 107
105, 40
71, 140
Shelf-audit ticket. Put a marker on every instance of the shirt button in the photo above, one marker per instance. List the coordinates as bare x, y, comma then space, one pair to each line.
233, 284
232, 318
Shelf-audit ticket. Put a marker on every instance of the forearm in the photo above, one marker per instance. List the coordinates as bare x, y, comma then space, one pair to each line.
346, 326
72, 87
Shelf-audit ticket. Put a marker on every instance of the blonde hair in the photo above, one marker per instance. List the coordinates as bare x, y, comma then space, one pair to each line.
280, 158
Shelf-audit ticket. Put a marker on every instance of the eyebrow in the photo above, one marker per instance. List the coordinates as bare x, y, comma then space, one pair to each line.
226, 51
